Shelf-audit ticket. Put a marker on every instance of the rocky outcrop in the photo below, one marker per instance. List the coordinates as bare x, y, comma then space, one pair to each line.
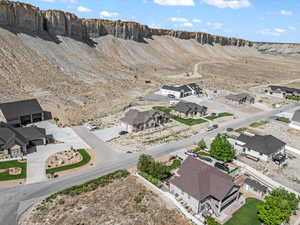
30, 19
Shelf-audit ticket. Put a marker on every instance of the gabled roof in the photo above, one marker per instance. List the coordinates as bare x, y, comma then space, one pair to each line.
256, 185
285, 89
189, 107
238, 97
182, 88
13, 110
135, 117
32, 133
266, 145
296, 116
200, 180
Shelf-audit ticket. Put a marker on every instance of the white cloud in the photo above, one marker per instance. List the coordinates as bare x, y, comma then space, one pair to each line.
178, 19
187, 24
276, 32
83, 9
216, 26
286, 13
233, 4
106, 14
197, 21
175, 2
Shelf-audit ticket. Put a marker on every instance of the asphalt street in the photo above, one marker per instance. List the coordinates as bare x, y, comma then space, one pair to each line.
15, 200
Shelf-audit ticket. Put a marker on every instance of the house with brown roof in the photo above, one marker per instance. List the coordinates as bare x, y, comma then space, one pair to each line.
206, 190
189, 110
241, 98
135, 120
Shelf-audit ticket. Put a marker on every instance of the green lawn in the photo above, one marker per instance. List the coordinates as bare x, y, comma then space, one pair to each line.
292, 97
219, 115
283, 119
12, 164
188, 122
247, 215
258, 124
86, 158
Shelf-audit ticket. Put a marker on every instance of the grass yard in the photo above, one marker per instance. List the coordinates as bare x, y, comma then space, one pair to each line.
283, 119
86, 158
258, 124
4, 176
247, 215
188, 122
219, 115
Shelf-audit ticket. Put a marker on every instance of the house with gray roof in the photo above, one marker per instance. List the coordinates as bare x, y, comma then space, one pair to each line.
241, 98
295, 122
16, 141
181, 91
23, 112
189, 110
135, 120
255, 187
260, 147
205, 189
282, 91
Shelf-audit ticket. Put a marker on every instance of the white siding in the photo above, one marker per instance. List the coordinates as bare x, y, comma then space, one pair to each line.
169, 92
191, 201
295, 125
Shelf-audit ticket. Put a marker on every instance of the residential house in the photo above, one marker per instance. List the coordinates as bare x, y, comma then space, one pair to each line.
206, 190
282, 91
260, 147
241, 98
255, 188
135, 120
295, 122
24, 112
189, 110
16, 141
181, 91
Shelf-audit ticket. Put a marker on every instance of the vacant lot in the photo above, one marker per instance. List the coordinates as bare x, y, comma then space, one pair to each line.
123, 202
247, 215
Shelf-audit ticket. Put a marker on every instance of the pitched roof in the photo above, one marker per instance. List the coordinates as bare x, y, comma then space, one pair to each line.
13, 110
189, 107
266, 145
182, 88
201, 180
285, 89
238, 97
296, 116
32, 133
136, 117
256, 185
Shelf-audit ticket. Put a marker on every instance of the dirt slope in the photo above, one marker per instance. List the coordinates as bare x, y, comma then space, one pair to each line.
79, 82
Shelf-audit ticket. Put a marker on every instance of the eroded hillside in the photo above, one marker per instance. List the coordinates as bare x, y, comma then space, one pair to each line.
79, 80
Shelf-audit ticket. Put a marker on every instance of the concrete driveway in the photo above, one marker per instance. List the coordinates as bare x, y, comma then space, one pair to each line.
105, 152
108, 133
36, 161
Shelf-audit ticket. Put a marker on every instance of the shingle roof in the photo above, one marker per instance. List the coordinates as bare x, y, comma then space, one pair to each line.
256, 185
296, 116
189, 107
285, 89
32, 133
135, 117
266, 145
201, 180
182, 88
238, 97
13, 110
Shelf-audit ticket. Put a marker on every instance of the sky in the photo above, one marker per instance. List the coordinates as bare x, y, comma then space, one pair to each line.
254, 20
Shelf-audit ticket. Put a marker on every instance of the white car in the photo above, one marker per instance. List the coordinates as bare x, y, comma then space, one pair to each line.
91, 127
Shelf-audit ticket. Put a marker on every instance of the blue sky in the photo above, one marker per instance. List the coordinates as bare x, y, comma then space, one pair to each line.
256, 20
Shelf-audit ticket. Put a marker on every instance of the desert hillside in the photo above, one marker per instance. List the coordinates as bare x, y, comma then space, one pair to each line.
80, 77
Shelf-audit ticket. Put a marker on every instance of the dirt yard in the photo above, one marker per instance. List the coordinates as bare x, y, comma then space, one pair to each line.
123, 202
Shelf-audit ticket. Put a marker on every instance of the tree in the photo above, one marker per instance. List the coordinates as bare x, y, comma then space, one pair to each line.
221, 149
278, 207
202, 145
144, 163
211, 221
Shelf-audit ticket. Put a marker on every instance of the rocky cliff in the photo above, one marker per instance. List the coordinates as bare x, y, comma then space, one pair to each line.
28, 18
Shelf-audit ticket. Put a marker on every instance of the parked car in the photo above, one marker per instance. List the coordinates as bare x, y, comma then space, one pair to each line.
221, 166
91, 127
171, 96
210, 129
123, 132
229, 129
215, 126
205, 158
191, 153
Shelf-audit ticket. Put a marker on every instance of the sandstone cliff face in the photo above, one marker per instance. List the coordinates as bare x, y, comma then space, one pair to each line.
29, 18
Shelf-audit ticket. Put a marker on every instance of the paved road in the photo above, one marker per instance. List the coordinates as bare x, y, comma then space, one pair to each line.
14, 200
